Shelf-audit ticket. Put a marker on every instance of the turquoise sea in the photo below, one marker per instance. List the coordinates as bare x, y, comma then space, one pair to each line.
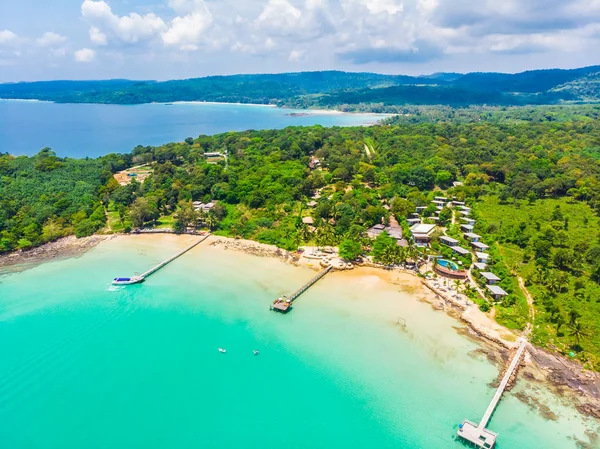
82, 130
87, 365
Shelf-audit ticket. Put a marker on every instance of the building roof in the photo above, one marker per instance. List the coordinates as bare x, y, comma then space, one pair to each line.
480, 266
460, 250
413, 221
448, 239
465, 208
467, 227
394, 232
495, 290
308, 220
440, 198
479, 245
468, 220
483, 256
311, 203
422, 228
402, 242
489, 276
472, 235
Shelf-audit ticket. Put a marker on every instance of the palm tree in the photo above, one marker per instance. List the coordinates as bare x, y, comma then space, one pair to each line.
577, 331
211, 221
457, 285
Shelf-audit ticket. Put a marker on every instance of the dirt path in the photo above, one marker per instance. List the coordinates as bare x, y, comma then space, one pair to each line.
529, 298
369, 151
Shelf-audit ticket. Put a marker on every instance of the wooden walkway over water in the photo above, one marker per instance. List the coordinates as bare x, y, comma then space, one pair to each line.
284, 304
164, 263
477, 434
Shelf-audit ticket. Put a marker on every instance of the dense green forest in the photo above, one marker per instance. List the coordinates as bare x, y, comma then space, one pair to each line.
332, 89
533, 186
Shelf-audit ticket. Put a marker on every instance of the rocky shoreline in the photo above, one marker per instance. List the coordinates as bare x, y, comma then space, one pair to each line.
66, 247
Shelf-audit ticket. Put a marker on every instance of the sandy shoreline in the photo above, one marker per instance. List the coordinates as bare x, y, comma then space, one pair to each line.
566, 378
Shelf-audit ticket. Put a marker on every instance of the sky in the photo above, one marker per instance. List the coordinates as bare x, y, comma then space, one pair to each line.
169, 39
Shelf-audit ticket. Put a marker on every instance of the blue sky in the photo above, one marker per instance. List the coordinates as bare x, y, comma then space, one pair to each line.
164, 39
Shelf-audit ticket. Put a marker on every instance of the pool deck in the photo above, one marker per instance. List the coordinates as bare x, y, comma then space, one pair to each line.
454, 274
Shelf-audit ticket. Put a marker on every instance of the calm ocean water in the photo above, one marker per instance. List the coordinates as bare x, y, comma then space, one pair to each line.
80, 130
85, 365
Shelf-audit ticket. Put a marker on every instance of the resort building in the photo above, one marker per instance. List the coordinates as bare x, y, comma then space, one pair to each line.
308, 220
496, 292
422, 233
465, 213
479, 266
394, 231
482, 257
439, 204
448, 241
465, 208
490, 278
468, 221
479, 246
458, 203
311, 203
466, 227
413, 221
420, 209
201, 207
471, 236
440, 198
374, 231
460, 250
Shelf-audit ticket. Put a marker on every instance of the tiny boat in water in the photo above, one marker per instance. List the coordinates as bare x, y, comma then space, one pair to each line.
256, 352
222, 351
128, 281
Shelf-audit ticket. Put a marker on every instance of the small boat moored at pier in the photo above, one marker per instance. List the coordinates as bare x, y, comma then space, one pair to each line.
128, 281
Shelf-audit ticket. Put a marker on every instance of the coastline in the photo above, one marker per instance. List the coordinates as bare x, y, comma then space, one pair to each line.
565, 378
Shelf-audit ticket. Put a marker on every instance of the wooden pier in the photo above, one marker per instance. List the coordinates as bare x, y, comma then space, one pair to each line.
142, 277
477, 434
284, 304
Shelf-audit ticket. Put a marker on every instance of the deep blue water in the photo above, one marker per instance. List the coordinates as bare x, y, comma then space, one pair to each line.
79, 130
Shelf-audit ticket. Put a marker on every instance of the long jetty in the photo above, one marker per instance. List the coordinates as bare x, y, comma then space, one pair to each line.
172, 258
284, 304
142, 277
477, 434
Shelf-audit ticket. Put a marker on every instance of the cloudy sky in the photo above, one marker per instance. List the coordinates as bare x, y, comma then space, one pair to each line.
162, 39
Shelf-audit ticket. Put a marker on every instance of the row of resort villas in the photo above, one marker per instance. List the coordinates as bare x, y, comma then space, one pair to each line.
479, 248
440, 202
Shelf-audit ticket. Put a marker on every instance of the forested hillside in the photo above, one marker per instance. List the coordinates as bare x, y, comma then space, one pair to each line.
534, 189
332, 89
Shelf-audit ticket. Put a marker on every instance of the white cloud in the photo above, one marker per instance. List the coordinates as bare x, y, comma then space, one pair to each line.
51, 39
296, 55
7, 36
187, 31
129, 29
85, 55
97, 36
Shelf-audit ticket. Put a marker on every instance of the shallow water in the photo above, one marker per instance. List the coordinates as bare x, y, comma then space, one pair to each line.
82, 130
83, 364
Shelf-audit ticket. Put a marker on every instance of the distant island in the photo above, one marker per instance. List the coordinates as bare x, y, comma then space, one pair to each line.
344, 91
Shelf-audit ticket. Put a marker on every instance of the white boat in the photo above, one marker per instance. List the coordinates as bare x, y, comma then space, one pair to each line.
128, 281
223, 351
256, 352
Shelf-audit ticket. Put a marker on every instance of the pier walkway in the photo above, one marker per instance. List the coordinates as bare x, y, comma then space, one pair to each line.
478, 434
172, 258
142, 277
284, 304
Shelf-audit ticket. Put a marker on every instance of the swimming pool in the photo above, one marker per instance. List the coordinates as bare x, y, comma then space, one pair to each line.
447, 264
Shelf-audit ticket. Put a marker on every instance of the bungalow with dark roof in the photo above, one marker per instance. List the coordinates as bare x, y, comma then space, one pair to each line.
490, 278
479, 246
460, 250
472, 236
482, 257
448, 241
496, 292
